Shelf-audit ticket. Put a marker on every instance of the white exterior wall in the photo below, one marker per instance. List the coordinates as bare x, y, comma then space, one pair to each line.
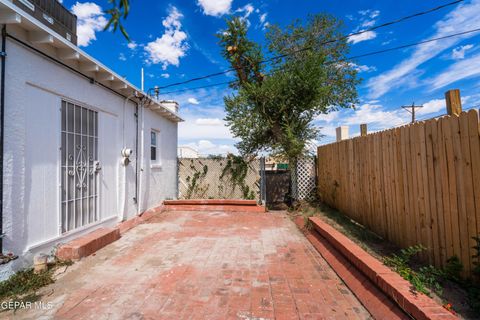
35, 87
161, 176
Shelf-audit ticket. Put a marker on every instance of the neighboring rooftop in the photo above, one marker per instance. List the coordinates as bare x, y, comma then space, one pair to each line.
187, 152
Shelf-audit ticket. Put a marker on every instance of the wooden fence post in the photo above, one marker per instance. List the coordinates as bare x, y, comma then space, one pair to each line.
454, 102
363, 129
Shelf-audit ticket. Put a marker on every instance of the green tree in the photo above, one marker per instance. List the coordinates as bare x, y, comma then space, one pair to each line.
119, 11
275, 103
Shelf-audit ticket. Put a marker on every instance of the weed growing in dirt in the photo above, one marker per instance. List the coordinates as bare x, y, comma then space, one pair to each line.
348, 226
306, 219
24, 282
423, 279
22, 286
453, 269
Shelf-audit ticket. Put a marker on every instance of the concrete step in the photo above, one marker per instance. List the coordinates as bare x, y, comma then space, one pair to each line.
353, 263
88, 244
226, 205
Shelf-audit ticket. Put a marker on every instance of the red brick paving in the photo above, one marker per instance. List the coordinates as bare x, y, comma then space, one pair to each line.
204, 265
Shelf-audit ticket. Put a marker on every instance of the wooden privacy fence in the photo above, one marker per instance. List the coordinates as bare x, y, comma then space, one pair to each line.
416, 184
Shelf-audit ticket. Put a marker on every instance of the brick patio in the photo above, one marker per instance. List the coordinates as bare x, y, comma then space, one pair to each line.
203, 265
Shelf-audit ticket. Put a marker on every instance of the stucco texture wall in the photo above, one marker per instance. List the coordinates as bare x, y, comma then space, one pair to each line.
35, 87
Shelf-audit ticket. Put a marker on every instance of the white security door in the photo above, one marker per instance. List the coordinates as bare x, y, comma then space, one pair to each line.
80, 166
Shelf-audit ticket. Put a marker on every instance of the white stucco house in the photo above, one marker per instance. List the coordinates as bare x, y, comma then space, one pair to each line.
81, 147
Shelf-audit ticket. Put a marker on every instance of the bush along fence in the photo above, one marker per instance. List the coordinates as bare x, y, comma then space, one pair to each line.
230, 177
414, 185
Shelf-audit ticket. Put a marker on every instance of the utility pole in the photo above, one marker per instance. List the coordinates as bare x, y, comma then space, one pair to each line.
412, 109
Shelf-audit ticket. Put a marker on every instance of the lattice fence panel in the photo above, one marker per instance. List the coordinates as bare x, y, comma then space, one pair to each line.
217, 178
304, 178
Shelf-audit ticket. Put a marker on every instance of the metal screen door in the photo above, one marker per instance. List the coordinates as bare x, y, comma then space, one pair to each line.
79, 166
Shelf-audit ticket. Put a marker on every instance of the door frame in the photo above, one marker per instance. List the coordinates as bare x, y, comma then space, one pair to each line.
60, 169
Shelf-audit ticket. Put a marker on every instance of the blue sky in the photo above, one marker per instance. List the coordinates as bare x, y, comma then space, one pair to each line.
175, 40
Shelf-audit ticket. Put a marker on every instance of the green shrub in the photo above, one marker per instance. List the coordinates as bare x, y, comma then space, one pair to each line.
453, 269
423, 279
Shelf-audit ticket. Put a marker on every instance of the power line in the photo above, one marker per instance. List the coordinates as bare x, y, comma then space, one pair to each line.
415, 44
369, 29
350, 58
199, 87
424, 118
386, 24
427, 117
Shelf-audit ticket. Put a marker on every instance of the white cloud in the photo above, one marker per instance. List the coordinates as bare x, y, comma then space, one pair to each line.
132, 45
432, 106
212, 108
368, 23
328, 130
384, 43
210, 122
459, 52
165, 75
375, 114
460, 70
463, 17
367, 20
207, 147
246, 9
122, 57
362, 37
377, 117
215, 8
363, 68
193, 101
263, 18
90, 19
172, 45
189, 130
328, 117
369, 13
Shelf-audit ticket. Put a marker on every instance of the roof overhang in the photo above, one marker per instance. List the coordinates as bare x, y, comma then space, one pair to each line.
40, 34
